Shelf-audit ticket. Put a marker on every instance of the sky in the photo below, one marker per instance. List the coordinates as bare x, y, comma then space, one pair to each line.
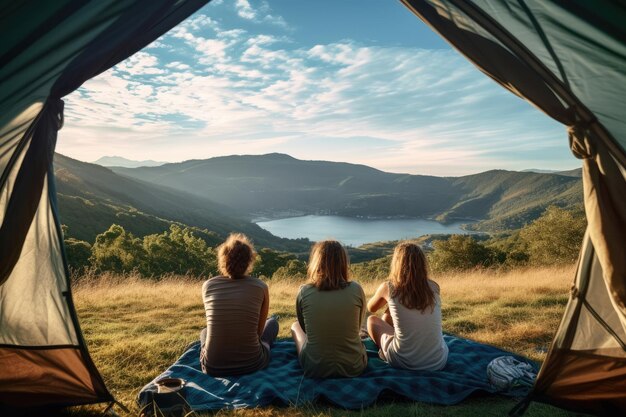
360, 81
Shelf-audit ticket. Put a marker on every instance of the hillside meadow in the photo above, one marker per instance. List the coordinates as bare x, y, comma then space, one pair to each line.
135, 328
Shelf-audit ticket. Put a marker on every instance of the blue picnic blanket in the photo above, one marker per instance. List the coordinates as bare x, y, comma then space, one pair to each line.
283, 383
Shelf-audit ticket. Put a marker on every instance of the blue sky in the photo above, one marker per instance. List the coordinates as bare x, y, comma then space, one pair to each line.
356, 81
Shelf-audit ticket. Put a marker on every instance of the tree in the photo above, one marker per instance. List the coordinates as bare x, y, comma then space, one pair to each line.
294, 269
117, 251
376, 269
555, 237
268, 261
460, 252
178, 251
78, 253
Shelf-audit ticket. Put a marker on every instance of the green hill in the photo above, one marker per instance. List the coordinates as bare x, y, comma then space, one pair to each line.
91, 198
508, 200
276, 185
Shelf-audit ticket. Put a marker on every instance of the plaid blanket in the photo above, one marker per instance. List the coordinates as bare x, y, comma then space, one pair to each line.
283, 383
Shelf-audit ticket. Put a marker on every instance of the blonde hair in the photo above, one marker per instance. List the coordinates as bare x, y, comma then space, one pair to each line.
328, 266
409, 277
235, 256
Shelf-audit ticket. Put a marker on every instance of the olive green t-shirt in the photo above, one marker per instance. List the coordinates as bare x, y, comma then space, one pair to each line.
332, 321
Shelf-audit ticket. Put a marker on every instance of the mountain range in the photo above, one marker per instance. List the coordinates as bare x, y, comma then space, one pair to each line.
118, 161
92, 197
276, 185
224, 194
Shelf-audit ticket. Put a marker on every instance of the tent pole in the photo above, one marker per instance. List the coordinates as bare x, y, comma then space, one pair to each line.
109, 411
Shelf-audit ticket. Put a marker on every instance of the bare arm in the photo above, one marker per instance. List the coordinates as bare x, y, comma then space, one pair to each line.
265, 308
379, 299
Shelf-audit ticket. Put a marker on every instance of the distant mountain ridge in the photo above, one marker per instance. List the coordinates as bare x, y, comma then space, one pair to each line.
118, 161
92, 197
275, 185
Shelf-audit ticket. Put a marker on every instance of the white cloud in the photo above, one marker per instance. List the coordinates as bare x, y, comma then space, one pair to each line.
177, 65
260, 15
142, 63
200, 21
397, 108
244, 10
262, 40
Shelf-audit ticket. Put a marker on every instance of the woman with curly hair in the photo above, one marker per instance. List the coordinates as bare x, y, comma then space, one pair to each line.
330, 310
409, 334
238, 335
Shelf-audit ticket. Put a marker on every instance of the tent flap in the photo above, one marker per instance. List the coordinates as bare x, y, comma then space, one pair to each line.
569, 60
48, 50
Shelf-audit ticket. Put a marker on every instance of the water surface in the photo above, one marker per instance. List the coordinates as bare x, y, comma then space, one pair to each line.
356, 231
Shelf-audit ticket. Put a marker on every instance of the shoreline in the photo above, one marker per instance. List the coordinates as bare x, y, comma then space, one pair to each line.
258, 218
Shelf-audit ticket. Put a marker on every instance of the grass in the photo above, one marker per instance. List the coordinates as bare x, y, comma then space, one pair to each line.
136, 328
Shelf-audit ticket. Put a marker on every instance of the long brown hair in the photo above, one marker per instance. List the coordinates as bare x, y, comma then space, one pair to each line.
409, 277
235, 256
328, 266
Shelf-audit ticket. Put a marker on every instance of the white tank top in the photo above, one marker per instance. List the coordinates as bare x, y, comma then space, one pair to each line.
418, 340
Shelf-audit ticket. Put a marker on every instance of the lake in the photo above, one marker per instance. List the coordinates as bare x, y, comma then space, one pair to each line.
356, 231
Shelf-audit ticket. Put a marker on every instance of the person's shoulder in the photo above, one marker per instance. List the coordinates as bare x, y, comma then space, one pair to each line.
306, 287
212, 281
258, 282
434, 286
356, 287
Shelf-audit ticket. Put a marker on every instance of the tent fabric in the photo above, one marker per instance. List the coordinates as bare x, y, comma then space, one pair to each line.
586, 364
604, 185
48, 50
569, 60
62, 368
565, 57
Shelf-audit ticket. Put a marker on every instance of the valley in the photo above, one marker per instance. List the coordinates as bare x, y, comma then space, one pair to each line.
220, 195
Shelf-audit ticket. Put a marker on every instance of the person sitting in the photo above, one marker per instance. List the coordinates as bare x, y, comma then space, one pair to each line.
409, 334
330, 310
238, 336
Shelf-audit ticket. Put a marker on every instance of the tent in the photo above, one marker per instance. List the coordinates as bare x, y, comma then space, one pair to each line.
568, 58
48, 49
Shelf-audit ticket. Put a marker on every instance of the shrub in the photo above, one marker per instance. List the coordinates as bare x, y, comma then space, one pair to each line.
461, 252
293, 270
177, 251
78, 253
117, 251
269, 261
555, 237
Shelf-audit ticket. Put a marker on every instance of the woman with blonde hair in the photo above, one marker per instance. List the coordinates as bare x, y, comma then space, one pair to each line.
238, 335
330, 310
409, 335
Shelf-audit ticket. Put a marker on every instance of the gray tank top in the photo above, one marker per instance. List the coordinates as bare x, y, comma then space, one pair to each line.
233, 307
418, 340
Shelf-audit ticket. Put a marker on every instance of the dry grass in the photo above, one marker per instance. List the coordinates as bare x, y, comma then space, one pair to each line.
136, 328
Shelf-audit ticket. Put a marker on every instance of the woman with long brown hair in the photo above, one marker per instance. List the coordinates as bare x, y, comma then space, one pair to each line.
409, 334
331, 310
238, 335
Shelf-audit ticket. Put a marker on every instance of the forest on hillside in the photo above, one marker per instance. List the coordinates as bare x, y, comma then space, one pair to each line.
552, 239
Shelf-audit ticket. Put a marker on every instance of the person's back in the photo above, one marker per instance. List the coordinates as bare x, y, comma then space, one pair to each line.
417, 342
330, 311
238, 335
232, 310
332, 321
409, 334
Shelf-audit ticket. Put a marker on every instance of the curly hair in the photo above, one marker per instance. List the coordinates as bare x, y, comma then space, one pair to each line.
328, 266
235, 256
